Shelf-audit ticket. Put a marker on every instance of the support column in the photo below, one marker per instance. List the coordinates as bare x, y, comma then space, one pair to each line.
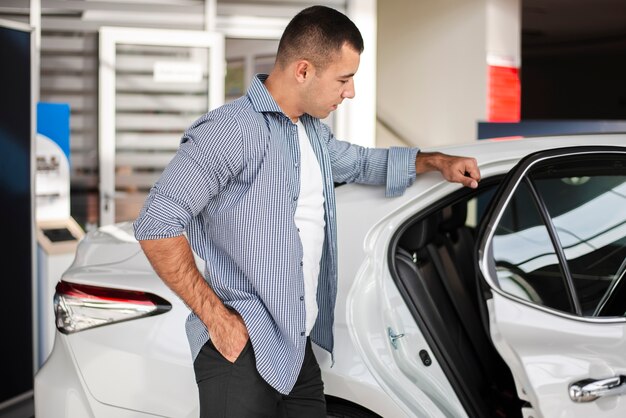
433, 66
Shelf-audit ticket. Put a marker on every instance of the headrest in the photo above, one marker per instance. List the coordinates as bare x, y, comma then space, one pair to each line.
453, 217
420, 234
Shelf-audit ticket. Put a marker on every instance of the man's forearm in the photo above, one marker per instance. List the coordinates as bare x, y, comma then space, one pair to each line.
173, 260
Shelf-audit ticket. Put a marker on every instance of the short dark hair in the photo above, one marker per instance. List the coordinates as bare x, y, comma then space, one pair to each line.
316, 34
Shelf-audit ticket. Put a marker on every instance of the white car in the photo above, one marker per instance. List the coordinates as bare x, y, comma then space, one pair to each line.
504, 301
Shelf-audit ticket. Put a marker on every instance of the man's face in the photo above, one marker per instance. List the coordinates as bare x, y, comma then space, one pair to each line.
328, 87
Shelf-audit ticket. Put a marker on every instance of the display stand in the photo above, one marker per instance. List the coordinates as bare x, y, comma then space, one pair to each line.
56, 246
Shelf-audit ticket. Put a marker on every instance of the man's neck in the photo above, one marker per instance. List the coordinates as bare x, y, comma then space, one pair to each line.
282, 95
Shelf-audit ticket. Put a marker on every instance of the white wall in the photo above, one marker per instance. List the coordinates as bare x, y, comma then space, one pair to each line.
432, 66
356, 119
504, 29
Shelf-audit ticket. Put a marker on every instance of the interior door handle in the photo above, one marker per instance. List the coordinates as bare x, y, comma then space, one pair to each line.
588, 390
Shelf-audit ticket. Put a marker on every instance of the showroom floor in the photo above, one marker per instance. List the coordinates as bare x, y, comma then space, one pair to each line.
23, 409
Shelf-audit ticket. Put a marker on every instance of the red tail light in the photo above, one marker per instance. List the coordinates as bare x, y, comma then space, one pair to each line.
78, 307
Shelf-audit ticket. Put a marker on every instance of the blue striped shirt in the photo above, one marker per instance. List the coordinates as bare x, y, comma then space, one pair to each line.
233, 186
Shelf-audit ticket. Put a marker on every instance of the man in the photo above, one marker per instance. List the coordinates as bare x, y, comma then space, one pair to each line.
252, 186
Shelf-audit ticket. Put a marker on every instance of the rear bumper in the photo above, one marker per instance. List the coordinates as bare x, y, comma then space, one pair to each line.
60, 392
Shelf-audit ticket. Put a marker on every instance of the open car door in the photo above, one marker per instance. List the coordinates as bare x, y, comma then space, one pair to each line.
552, 261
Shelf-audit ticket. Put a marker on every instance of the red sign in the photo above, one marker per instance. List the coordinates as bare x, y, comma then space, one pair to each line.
504, 97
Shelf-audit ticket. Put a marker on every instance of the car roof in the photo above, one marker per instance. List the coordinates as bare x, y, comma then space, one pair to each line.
360, 206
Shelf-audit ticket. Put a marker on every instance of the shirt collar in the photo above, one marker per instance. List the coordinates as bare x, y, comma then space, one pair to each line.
261, 99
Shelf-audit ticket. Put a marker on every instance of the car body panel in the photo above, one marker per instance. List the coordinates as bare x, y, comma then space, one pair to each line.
144, 364
156, 365
61, 391
350, 379
374, 304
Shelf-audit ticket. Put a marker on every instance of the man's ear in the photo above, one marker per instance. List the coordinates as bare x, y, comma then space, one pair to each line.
303, 71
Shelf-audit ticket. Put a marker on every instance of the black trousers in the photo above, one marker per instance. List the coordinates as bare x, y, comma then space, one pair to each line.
236, 390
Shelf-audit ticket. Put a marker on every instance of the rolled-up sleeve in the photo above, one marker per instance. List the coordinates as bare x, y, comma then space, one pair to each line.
393, 167
209, 156
400, 170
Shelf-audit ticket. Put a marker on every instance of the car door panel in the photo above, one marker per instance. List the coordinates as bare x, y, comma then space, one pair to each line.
548, 352
556, 234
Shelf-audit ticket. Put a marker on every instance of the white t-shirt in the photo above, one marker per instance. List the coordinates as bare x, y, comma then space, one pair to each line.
309, 219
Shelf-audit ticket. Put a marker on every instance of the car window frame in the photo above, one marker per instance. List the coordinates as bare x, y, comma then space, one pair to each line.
495, 211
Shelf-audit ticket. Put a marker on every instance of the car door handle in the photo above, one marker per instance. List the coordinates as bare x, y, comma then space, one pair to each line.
588, 390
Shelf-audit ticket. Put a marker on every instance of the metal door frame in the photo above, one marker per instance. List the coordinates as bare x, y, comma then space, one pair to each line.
109, 38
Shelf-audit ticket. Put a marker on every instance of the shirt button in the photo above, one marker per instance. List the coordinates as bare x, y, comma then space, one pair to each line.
301, 297
301, 263
296, 165
295, 198
302, 334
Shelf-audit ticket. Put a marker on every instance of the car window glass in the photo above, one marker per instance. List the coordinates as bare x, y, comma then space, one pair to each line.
525, 258
588, 211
